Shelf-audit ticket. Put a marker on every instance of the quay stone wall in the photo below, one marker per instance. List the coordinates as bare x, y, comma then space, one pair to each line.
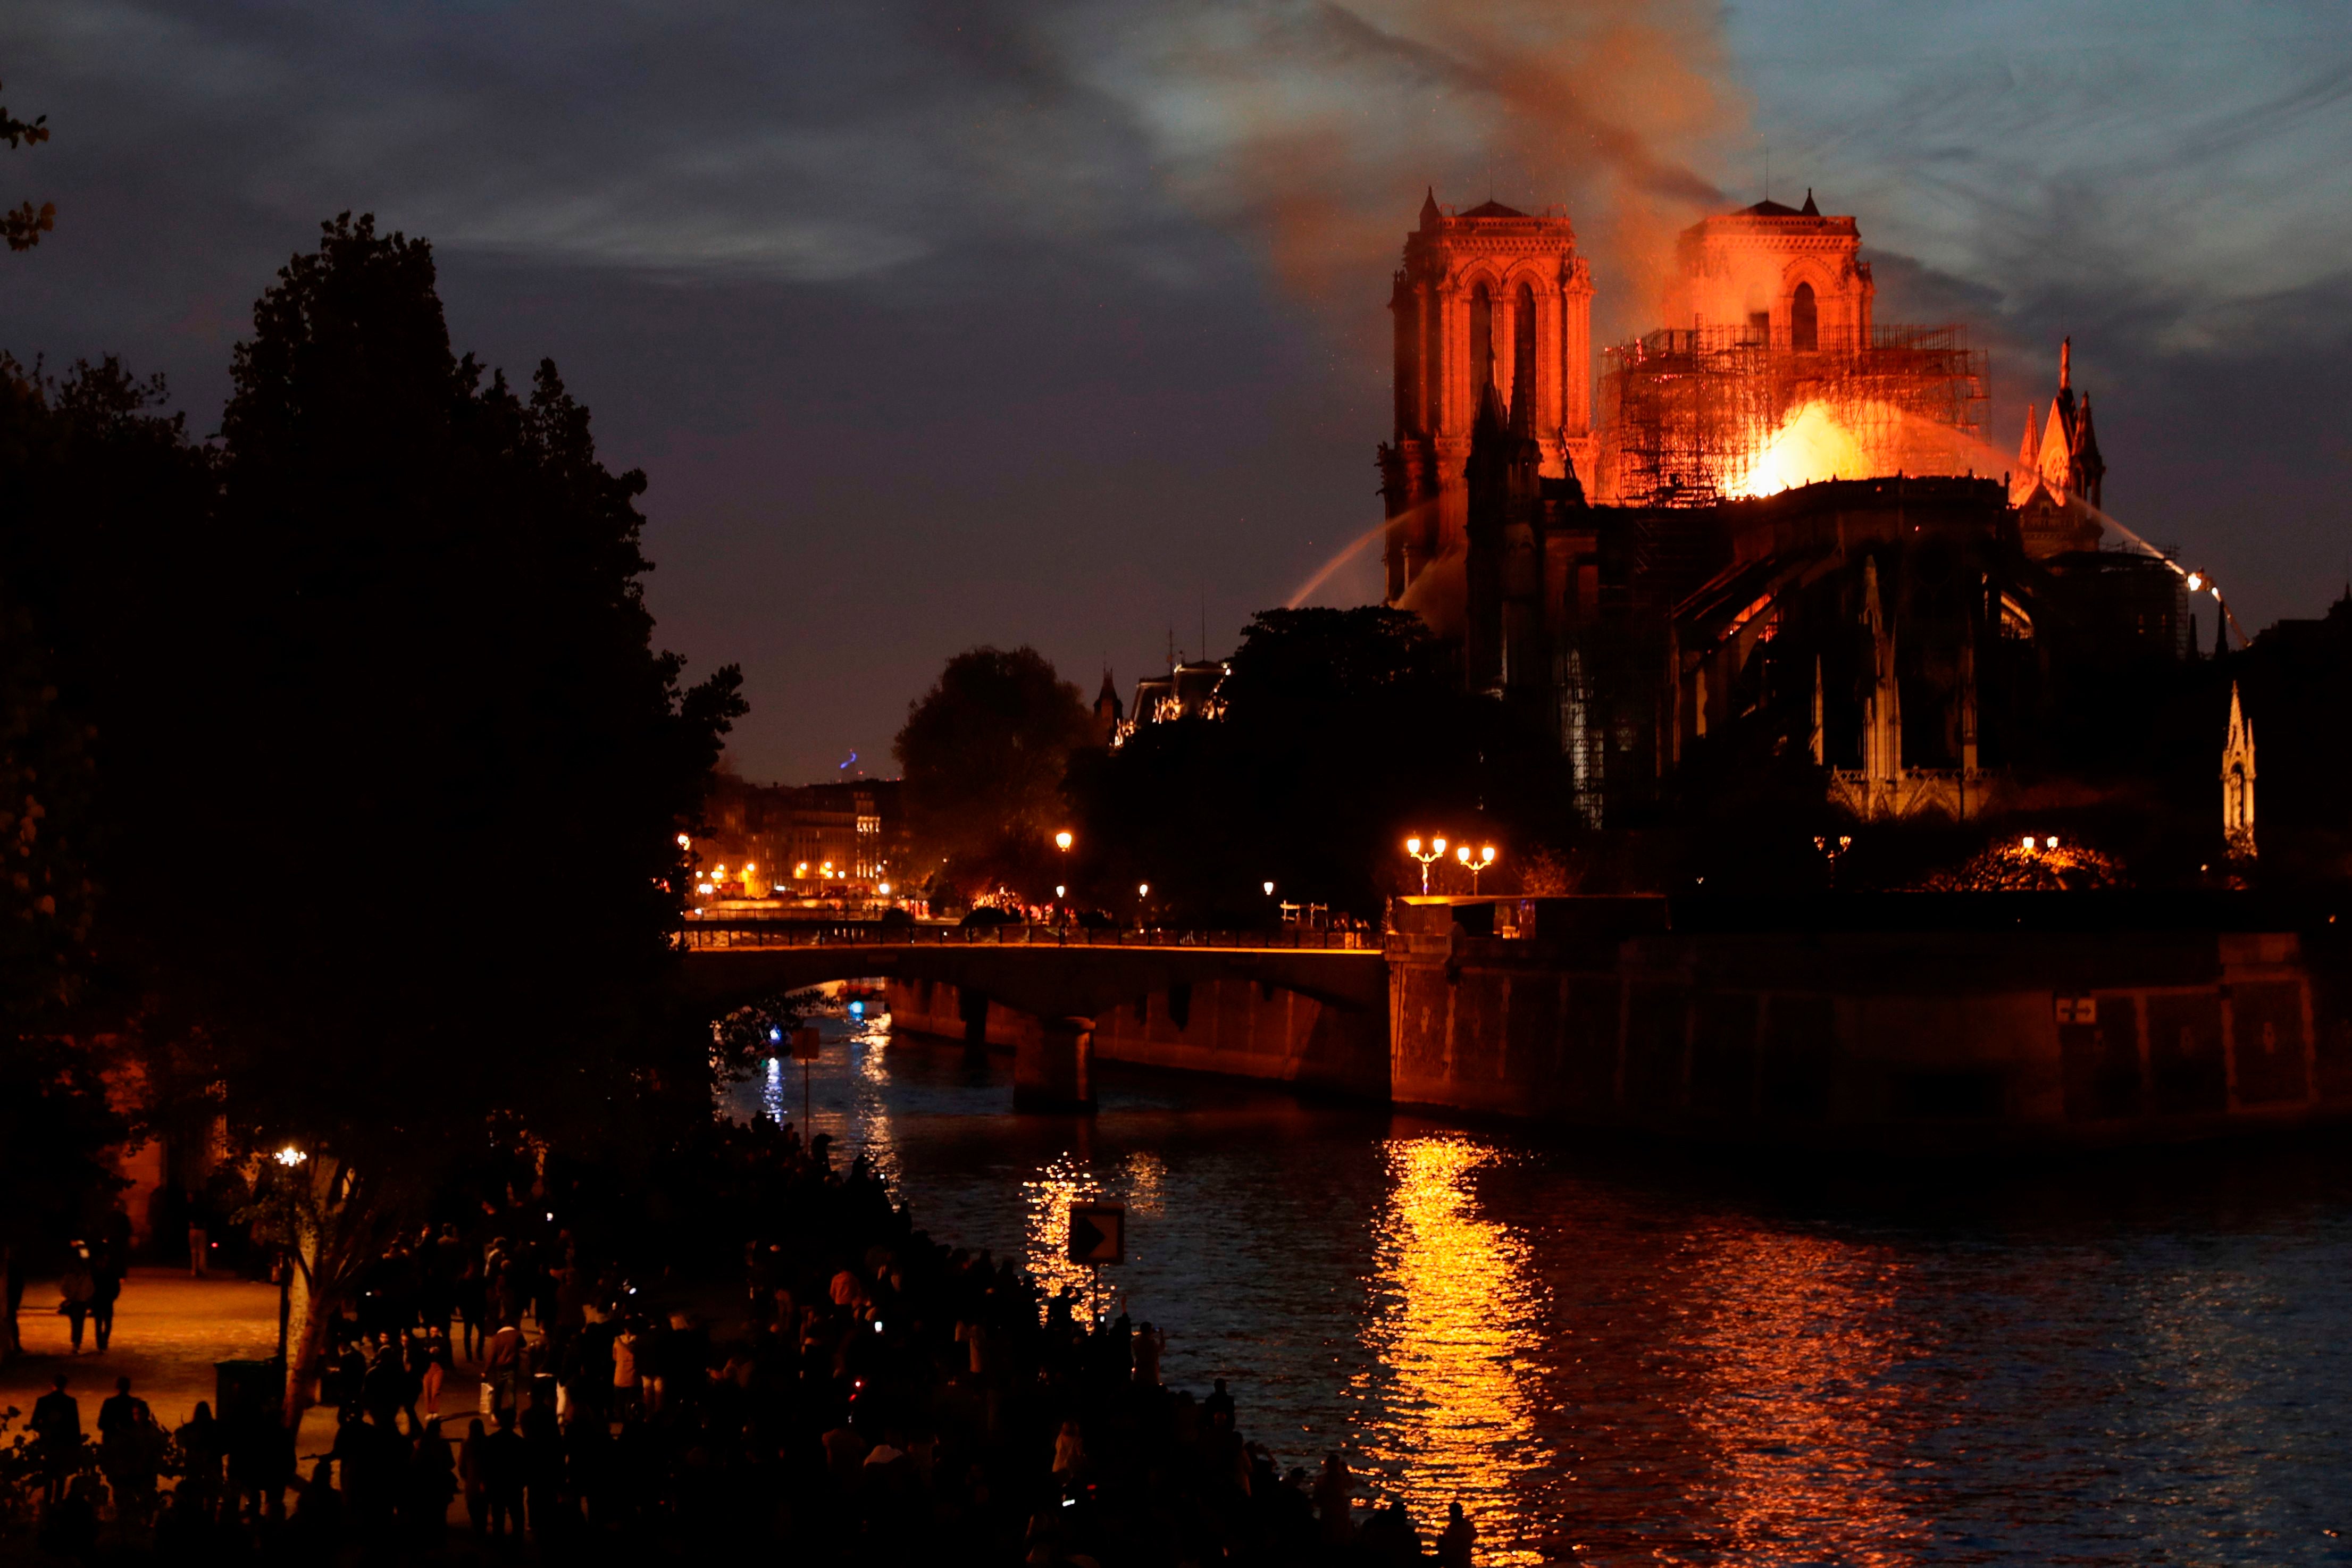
1905, 1038
1234, 1028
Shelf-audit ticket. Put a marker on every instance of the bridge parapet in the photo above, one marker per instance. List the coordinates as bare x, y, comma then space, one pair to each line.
703, 936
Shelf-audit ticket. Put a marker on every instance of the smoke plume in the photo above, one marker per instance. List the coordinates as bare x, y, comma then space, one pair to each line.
1319, 125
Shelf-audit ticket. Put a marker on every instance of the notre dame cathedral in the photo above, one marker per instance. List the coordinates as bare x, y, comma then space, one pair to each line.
1778, 524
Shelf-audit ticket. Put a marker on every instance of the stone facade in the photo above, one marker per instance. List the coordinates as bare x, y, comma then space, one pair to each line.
1487, 298
1954, 1033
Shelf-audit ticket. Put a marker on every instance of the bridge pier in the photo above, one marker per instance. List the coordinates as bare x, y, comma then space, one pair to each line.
971, 1006
1053, 1069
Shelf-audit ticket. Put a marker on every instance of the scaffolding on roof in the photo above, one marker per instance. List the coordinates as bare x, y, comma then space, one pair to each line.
1687, 413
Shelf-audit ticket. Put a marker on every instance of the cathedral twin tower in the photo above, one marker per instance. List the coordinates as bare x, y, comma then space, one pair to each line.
1495, 297
1489, 296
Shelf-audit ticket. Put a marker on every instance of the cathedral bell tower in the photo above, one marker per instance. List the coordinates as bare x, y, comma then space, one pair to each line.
1489, 298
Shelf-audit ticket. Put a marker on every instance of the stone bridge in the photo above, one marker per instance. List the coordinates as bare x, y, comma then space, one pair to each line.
1064, 979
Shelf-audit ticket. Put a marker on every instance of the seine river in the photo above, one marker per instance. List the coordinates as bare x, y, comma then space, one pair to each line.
1621, 1357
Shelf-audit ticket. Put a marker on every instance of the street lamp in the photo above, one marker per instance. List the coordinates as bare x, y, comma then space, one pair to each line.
1062, 841
1269, 889
1480, 862
1142, 892
1435, 852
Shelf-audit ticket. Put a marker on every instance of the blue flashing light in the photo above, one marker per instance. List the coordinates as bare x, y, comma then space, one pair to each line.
857, 1009
775, 1034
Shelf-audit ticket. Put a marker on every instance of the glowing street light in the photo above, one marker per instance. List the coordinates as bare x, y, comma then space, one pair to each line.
1480, 862
684, 842
290, 1157
1269, 889
1142, 892
1435, 852
1062, 841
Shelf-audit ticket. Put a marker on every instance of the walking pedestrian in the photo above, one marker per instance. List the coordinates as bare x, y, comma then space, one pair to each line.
78, 1286
438, 1368
121, 1423
106, 1288
57, 1423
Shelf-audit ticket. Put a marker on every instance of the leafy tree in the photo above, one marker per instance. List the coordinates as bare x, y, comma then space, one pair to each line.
23, 227
984, 753
1343, 731
406, 886
58, 1120
80, 461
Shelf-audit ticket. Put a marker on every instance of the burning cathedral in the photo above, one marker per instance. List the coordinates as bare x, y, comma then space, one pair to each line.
1778, 521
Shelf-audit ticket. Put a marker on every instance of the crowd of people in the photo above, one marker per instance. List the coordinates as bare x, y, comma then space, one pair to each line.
871, 1396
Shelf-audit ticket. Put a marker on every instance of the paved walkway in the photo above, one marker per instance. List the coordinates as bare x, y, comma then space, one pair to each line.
169, 1330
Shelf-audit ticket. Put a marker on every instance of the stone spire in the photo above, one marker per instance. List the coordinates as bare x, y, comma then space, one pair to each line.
1882, 740
2238, 781
1820, 749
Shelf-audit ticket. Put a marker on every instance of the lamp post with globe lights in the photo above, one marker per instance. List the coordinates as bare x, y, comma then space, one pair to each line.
1429, 857
1475, 863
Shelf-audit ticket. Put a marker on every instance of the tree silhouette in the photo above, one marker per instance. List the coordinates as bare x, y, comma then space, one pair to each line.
391, 772
23, 227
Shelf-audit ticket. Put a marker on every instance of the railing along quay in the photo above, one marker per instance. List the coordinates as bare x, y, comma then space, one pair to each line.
705, 935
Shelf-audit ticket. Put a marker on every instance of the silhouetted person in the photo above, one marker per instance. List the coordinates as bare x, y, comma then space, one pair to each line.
105, 1290
1455, 1543
78, 1286
474, 1473
502, 1474
56, 1422
202, 1448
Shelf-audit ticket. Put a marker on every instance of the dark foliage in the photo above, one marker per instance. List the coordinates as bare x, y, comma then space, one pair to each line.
984, 751
1344, 730
388, 772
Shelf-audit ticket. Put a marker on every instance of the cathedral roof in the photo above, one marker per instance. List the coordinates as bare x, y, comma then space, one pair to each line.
1490, 208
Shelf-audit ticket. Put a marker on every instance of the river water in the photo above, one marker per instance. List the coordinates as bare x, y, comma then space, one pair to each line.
1613, 1356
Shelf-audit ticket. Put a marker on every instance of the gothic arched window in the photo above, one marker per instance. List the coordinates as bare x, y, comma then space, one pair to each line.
1804, 321
1523, 357
1482, 343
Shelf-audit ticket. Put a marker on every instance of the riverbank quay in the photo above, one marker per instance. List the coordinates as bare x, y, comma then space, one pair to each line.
1896, 1024
1900, 1023
861, 1395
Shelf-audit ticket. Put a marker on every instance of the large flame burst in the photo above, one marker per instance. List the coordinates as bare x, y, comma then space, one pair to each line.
1812, 443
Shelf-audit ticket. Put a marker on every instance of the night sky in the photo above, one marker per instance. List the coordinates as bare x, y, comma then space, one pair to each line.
1063, 323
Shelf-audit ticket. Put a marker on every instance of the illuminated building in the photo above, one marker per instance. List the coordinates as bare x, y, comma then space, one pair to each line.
1784, 530
1193, 690
792, 835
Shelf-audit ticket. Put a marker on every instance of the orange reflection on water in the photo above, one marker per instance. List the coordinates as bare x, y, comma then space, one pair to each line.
1795, 1338
1452, 1352
1046, 1200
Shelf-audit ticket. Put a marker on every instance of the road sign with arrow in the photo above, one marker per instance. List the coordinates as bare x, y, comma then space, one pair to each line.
1097, 1232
